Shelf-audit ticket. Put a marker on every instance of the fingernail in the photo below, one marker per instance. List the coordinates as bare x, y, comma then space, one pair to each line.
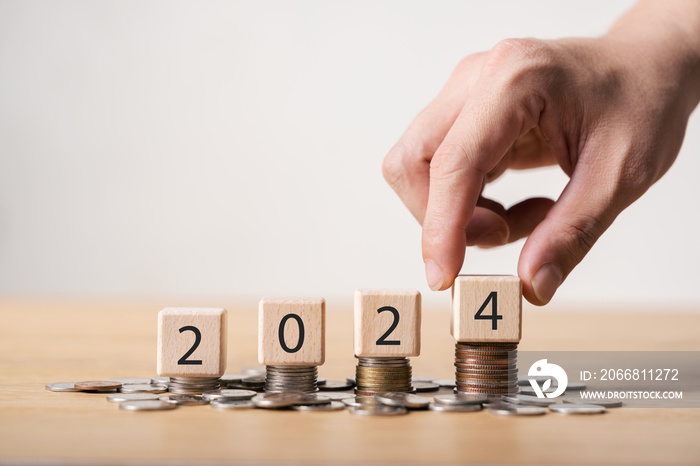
433, 273
546, 281
495, 238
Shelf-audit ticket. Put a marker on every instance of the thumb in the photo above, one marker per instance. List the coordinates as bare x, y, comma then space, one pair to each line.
586, 208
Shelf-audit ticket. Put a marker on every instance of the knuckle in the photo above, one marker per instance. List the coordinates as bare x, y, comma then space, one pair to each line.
449, 160
525, 59
393, 168
581, 233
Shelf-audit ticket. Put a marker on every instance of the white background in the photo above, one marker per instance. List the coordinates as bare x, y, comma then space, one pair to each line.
234, 148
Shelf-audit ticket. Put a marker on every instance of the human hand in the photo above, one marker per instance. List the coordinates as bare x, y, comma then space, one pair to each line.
611, 112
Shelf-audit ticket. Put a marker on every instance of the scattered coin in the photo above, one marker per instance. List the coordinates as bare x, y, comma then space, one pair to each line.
461, 399
277, 400
229, 394
421, 387
575, 386
62, 387
566, 408
521, 399
332, 406
449, 383
351, 379
98, 386
163, 380
378, 410
407, 400
507, 409
132, 380
231, 404
254, 370
119, 397
321, 381
605, 402
338, 396
524, 380
454, 408
335, 385
528, 390
184, 400
359, 401
147, 405
144, 388
257, 381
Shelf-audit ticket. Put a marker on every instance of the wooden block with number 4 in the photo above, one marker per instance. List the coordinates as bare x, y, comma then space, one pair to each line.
191, 342
387, 323
292, 331
487, 308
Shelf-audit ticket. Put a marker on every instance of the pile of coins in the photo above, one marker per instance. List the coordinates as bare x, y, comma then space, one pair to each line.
373, 375
291, 379
243, 391
193, 385
488, 368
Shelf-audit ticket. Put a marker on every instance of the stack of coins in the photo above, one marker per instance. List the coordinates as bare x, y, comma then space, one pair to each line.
193, 385
488, 368
291, 379
376, 375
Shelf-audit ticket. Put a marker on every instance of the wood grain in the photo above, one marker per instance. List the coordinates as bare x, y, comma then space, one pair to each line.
47, 341
177, 336
472, 293
371, 324
310, 315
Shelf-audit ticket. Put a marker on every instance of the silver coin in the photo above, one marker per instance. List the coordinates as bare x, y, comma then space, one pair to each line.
351, 379
321, 381
119, 397
335, 385
132, 380
507, 409
184, 400
422, 387
254, 381
144, 388
378, 410
62, 387
161, 380
314, 399
454, 408
229, 394
233, 378
332, 406
566, 408
520, 399
575, 386
461, 399
147, 405
449, 383
407, 400
359, 401
277, 400
232, 404
423, 378
531, 391
605, 402
338, 396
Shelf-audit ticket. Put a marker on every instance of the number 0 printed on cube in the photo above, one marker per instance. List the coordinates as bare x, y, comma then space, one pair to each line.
292, 331
191, 342
387, 323
486, 308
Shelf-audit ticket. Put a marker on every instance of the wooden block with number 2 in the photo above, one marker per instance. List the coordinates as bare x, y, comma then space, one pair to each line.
387, 323
191, 342
487, 308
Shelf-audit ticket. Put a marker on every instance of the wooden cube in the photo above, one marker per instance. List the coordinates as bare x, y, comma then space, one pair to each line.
292, 331
487, 308
387, 323
191, 342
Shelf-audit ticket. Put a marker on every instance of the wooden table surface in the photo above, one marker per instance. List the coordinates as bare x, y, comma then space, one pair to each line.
54, 341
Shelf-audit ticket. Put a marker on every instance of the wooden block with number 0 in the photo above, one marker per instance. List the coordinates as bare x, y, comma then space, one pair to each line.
292, 331
387, 323
191, 342
487, 308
